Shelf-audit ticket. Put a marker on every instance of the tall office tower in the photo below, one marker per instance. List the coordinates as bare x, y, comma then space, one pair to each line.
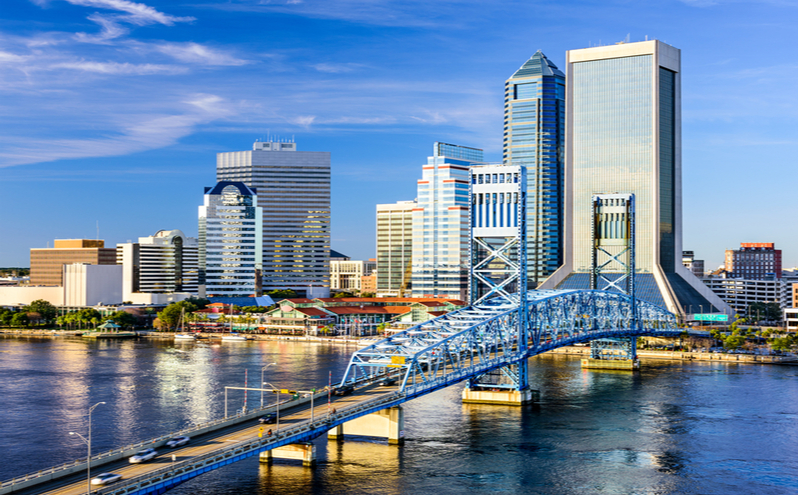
162, 263
294, 190
533, 137
624, 137
47, 263
230, 244
395, 244
440, 259
754, 260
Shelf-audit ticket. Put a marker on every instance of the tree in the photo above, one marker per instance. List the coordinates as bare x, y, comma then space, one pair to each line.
343, 294
760, 311
46, 310
19, 320
199, 302
282, 294
171, 315
122, 318
734, 341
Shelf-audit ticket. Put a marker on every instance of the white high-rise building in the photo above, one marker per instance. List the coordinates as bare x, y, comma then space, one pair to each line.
394, 242
440, 259
230, 244
162, 263
294, 191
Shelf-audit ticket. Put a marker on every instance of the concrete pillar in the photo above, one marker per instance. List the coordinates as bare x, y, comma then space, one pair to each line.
387, 424
502, 396
297, 452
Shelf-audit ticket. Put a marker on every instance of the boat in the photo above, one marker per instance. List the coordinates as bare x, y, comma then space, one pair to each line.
234, 337
183, 335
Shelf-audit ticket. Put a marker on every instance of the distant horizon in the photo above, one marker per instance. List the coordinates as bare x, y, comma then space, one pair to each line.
115, 110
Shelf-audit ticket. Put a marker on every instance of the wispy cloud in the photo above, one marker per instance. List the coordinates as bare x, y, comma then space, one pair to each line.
120, 68
195, 53
337, 68
137, 13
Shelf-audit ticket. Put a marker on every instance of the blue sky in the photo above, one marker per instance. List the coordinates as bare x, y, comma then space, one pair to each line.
113, 110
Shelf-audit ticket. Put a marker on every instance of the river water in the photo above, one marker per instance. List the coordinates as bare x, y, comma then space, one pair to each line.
672, 428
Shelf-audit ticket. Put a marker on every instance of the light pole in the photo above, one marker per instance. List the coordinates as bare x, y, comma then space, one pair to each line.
262, 381
89, 452
278, 405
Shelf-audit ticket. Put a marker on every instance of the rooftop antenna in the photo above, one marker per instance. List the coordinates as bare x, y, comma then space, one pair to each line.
98, 230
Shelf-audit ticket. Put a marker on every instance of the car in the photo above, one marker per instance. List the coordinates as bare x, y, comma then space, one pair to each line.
344, 390
142, 456
178, 441
268, 418
387, 381
106, 478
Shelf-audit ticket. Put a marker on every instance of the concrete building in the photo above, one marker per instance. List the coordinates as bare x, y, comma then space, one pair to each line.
346, 274
697, 267
369, 283
754, 260
163, 263
395, 240
92, 285
47, 264
294, 191
440, 252
533, 137
623, 136
230, 244
739, 293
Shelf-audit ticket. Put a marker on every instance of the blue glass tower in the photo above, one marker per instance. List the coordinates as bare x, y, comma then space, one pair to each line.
533, 138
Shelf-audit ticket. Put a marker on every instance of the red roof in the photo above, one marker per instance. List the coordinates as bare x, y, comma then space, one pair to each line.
369, 310
311, 312
300, 300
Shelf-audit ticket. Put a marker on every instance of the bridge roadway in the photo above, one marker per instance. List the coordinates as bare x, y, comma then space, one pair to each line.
208, 443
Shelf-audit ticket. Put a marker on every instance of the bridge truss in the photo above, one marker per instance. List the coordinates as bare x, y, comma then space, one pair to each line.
500, 334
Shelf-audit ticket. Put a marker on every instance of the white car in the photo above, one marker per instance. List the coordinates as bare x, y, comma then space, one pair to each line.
143, 455
178, 441
106, 478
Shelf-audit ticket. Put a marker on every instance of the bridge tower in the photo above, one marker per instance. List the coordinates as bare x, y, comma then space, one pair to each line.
613, 269
498, 271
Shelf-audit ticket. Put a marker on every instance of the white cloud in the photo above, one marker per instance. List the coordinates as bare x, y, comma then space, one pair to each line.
195, 53
336, 68
110, 29
304, 120
138, 13
119, 68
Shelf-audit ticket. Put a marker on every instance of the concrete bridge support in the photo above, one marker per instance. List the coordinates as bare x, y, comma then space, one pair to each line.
506, 397
297, 452
387, 423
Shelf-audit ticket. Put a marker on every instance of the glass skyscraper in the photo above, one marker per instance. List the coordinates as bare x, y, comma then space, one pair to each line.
440, 260
533, 137
230, 241
395, 239
623, 136
294, 190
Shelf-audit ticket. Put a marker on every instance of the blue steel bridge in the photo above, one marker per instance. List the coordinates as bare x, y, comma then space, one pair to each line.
495, 337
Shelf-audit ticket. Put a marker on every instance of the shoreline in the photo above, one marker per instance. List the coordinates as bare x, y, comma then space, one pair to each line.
642, 354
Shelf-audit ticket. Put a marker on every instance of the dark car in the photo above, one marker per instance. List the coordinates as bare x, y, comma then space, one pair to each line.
344, 390
268, 418
387, 381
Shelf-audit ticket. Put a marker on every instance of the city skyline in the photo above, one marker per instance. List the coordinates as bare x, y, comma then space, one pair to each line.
115, 110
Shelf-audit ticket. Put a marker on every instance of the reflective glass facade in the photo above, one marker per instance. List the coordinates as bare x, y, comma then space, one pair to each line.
612, 149
440, 260
230, 241
395, 240
533, 137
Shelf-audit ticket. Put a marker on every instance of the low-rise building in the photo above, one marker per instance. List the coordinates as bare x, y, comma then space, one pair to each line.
741, 293
346, 274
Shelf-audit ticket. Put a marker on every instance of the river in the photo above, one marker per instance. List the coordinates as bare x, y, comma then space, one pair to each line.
672, 428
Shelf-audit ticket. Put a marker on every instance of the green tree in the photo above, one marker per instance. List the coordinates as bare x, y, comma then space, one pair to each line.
171, 315
760, 311
47, 311
19, 319
734, 341
282, 294
199, 302
122, 318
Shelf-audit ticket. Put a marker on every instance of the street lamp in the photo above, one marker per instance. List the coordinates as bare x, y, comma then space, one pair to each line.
262, 382
89, 452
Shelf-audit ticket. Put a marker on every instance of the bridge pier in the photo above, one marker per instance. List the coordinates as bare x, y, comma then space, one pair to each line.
305, 452
387, 424
506, 397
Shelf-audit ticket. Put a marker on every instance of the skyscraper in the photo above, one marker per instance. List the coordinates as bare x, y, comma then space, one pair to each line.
294, 190
624, 137
533, 137
440, 259
230, 244
162, 263
395, 238
47, 264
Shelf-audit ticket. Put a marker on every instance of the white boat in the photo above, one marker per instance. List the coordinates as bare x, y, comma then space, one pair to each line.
234, 337
185, 336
